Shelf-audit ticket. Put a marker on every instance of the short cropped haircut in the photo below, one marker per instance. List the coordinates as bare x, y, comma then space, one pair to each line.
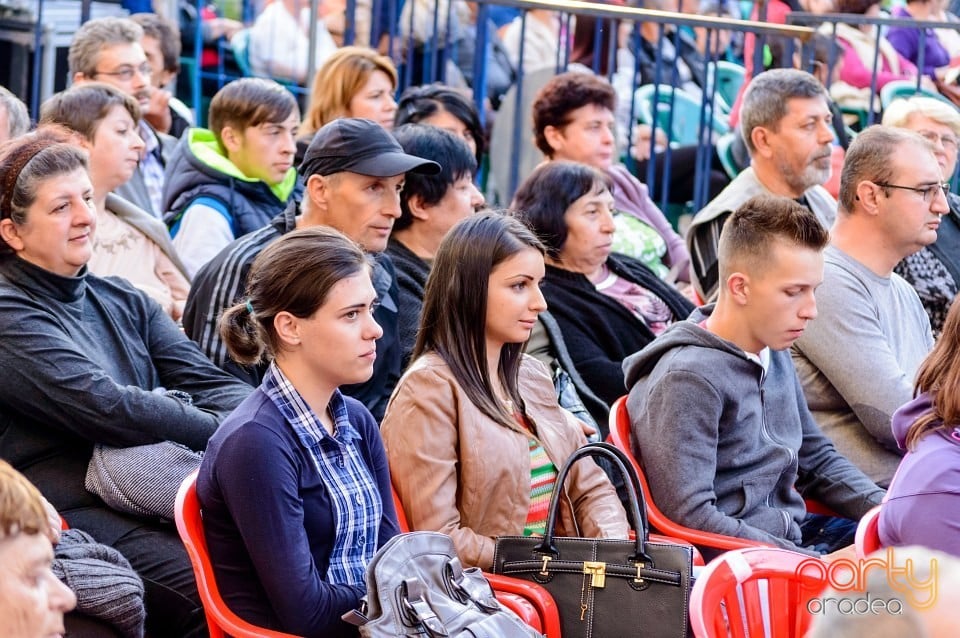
443, 147
750, 233
96, 35
18, 119
421, 102
868, 159
766, 97
899, 111
249, 102
541, 202
164, 32
565, 93
81, 108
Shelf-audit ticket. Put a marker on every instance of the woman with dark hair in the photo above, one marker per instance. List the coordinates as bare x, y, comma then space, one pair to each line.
473, 431
607, 305
90, 360
444, 108
926, 487
429, 206
294, 485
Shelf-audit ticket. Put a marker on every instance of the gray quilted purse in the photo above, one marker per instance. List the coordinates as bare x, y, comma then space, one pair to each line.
416, 586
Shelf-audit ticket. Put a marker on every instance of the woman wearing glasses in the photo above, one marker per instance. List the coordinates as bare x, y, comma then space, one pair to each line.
934, 270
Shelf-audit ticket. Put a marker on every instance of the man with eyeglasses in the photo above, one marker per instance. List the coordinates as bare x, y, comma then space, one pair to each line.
858, 360
108, 50
933, 271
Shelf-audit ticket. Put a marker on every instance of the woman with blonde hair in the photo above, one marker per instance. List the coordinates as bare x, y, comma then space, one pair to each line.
32, 600
353, 82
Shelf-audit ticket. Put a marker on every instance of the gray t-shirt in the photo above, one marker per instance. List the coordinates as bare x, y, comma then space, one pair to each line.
858, 359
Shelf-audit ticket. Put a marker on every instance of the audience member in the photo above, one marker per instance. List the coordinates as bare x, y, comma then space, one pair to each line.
573, 120
128, 242
429, 206
858, 361
607, 305
718, 417
444, 108
233, 178
785, 124
32, 600
161, 45
934, 270
94, 361
353, 82
109, 50
906, 40
279, 44
294, 486
860, 44
14, 118
354, 172
541, 41
926, 486
473, 416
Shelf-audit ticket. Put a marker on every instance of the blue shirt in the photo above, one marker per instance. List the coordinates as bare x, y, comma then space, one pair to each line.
271, 516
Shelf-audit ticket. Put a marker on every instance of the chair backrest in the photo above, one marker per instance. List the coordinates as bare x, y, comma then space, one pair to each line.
220, 620
730, 77
620, 437
755, 592
240, 44
904, 89
867, 539
677, 113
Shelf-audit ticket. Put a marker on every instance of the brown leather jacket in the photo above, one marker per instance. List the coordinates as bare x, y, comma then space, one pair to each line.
458, 472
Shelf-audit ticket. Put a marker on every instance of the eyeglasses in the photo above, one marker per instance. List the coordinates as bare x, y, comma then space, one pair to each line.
927, 192
126, 73
949, 142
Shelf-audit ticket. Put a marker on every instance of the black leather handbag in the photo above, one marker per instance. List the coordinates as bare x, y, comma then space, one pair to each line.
605, 587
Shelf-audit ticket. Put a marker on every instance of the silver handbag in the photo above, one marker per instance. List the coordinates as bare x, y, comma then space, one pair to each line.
416, 586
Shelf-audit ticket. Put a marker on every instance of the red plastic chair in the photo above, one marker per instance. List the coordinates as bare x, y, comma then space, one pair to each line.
867, 540
620, 437
728, 599
220, 620
531, 602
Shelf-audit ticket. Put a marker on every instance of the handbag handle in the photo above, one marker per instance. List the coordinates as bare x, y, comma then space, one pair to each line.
637, 510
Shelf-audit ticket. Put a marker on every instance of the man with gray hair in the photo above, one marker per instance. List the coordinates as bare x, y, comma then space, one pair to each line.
858, 360
108, 50
786, 123
14, 119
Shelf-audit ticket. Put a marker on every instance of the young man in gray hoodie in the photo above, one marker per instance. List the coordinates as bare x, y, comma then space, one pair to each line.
719, 420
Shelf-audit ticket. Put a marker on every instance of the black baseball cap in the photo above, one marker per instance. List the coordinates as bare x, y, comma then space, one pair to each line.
360, 146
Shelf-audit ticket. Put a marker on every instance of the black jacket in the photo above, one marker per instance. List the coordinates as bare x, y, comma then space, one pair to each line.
599, 331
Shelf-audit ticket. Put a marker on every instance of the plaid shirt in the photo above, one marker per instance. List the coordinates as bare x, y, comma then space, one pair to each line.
151, 167
354, 496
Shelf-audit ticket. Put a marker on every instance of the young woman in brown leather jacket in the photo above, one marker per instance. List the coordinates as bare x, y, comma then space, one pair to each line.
473, 432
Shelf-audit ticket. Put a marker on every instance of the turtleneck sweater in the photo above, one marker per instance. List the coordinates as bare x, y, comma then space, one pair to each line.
89, 360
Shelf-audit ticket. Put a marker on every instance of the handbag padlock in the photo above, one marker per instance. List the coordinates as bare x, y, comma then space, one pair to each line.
597, 571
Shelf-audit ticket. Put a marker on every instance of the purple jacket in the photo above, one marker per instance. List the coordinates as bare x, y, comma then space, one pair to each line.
906, 41
923, 501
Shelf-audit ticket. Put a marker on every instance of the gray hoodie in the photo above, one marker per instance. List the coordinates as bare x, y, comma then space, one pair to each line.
726, 445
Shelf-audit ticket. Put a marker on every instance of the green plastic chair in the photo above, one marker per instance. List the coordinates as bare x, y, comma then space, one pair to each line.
730, 77
904, 89
724, 147
685, 124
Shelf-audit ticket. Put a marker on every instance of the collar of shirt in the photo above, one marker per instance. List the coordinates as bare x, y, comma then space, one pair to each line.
305, 423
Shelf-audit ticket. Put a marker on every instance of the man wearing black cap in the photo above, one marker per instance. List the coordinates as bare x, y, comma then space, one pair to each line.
353, 172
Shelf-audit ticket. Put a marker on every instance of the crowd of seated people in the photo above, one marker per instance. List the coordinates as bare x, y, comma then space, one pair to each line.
314, 297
